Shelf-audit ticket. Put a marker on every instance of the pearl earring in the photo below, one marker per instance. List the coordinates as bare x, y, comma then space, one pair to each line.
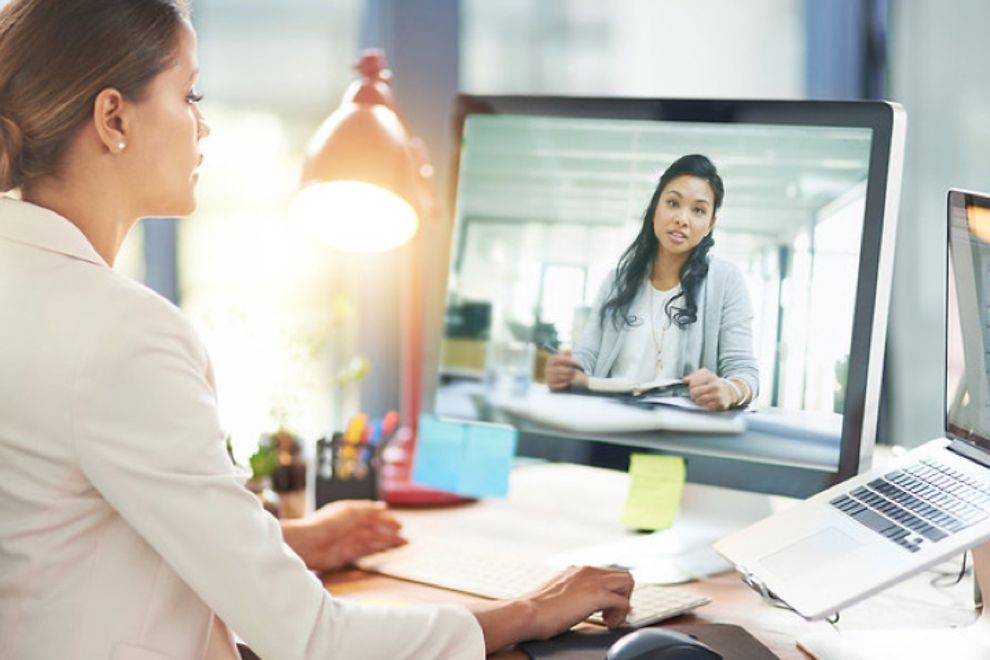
122, 146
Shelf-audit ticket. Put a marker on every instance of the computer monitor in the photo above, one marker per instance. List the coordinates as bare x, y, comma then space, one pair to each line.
551, 190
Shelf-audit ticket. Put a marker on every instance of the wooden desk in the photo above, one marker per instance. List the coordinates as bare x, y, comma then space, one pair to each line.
556, 507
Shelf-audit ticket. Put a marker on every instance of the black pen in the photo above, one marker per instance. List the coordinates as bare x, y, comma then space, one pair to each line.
544, 346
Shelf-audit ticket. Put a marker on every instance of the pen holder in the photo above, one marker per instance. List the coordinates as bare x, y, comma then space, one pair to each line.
346, 470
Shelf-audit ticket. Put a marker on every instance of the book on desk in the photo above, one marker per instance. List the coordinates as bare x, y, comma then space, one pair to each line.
594, 414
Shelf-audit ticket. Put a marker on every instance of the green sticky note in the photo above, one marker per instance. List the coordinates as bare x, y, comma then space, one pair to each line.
656, 484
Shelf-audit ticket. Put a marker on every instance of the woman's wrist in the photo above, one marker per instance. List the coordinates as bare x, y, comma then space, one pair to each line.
738, 396
508, 622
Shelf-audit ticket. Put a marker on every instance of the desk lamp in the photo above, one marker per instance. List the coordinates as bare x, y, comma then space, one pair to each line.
366, 187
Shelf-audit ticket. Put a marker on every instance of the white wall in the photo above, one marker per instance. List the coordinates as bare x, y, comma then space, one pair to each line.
684, 48
940, 71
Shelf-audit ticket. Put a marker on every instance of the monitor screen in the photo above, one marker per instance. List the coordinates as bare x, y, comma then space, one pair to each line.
968, 299
552, 192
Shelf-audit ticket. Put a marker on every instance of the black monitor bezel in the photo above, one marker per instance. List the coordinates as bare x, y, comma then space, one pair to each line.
857, 443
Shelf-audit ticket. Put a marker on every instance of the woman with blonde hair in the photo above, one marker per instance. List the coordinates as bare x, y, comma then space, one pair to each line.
125, 531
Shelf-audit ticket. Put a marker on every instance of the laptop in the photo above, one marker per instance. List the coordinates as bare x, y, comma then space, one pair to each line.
933, 502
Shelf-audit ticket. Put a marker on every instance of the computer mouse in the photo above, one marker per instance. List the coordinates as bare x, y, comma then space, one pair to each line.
659, 644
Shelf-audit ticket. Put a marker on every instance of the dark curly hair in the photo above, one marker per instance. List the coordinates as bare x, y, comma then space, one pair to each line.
636, 260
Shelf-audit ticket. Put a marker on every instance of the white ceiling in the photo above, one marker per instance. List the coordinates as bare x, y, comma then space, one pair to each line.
602, 172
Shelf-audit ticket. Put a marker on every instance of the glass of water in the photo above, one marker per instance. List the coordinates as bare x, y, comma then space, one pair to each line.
509, 369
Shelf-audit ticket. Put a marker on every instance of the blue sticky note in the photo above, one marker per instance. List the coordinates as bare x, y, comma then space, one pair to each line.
467, 458
488, 453
439, 453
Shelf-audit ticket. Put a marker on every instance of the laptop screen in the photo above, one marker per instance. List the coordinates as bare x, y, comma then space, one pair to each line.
968, 305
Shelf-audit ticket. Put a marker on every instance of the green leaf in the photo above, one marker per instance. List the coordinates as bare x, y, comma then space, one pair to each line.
264, 462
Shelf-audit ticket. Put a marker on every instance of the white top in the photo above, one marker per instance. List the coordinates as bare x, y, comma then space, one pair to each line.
123, 524
720, 340
651, 347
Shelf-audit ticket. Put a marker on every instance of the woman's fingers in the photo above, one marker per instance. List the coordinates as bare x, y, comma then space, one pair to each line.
560, 370
375, 542
578, 592
703, 391
369, 540
615, 602
707, 389
380, 524
614, 614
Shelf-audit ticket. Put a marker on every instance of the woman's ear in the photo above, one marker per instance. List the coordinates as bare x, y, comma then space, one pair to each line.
109, 119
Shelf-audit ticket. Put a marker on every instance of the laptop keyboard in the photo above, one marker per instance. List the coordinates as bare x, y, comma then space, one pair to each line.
921, 503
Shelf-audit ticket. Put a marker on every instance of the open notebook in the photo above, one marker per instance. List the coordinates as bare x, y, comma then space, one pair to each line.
659, 386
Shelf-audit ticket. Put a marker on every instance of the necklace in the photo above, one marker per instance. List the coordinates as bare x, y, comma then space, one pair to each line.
657, 344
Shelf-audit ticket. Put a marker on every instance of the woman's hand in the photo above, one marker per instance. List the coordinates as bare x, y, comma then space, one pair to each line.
565, 600
562, 371
710, 391
578, 592
340, 532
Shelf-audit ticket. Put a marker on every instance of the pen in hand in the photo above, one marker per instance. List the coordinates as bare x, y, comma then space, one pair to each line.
549, 348
562, 371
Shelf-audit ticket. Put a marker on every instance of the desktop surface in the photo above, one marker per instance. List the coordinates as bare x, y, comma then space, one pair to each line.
556, 507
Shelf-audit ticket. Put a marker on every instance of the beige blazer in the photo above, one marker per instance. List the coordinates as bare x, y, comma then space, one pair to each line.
123, 525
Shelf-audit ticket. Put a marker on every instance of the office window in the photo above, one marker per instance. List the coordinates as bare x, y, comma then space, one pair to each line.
259, 293
562, 289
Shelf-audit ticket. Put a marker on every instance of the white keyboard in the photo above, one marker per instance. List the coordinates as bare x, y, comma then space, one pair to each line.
482, 571
651, 603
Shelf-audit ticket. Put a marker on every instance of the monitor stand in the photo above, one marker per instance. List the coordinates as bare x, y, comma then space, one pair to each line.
970, 642
683, 552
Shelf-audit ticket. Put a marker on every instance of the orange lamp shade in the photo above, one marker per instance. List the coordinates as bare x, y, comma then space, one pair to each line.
364, 180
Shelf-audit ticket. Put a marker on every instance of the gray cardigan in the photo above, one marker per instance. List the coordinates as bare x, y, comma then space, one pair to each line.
720, 340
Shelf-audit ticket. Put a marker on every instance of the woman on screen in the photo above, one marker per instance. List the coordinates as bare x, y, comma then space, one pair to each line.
671, 310
125, 531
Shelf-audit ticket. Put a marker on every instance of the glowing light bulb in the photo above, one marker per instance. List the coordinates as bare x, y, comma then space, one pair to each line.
354, 216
